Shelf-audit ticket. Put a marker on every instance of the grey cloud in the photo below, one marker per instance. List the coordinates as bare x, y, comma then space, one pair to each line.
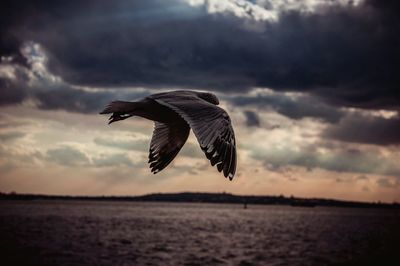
119, 159
5, 123
11, 93
11, 135
68, 156
19, 158
366, 129
294, 108
50, 94
386, 183
362, 177
189, 149
252, 119
80, 101
55, 97
344, 160
69, 99
134, 145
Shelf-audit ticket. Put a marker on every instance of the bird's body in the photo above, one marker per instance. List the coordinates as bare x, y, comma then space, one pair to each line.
174, 113
146, 108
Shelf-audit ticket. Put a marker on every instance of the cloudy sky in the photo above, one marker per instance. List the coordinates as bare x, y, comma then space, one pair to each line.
311, 86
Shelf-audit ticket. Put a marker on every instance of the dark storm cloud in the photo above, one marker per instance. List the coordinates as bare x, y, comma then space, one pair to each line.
72, 100
50, 94
294, 108
252, 119
11, 93
347, 55
59, 96
366, 129
13, 90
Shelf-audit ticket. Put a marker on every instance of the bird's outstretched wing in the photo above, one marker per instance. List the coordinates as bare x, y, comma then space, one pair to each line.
165, 144
211, 126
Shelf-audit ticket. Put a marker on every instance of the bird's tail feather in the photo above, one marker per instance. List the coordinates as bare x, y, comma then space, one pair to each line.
120, 110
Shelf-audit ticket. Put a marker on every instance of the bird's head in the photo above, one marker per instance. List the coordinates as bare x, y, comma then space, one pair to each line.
209, 97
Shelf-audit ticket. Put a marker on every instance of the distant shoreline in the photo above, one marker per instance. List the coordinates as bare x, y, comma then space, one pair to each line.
211, 198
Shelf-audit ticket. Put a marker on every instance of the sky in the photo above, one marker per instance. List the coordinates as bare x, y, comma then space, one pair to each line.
312, 88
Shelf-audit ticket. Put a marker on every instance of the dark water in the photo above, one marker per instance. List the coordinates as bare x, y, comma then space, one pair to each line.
122, 233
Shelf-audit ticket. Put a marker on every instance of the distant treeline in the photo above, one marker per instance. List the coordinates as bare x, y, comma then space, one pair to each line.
211, 198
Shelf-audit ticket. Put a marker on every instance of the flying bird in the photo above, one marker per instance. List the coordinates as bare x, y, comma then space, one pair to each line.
174, 113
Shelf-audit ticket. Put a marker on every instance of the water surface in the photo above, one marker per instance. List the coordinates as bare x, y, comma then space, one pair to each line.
138, 233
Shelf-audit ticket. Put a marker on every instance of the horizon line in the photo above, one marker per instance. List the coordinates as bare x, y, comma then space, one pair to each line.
196, 192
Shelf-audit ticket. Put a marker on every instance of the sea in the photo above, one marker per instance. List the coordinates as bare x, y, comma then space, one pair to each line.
53, 232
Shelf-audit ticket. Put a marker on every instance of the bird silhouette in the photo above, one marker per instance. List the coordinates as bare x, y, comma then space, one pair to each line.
174, 113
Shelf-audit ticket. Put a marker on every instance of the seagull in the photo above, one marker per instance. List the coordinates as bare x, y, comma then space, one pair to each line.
176, 112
